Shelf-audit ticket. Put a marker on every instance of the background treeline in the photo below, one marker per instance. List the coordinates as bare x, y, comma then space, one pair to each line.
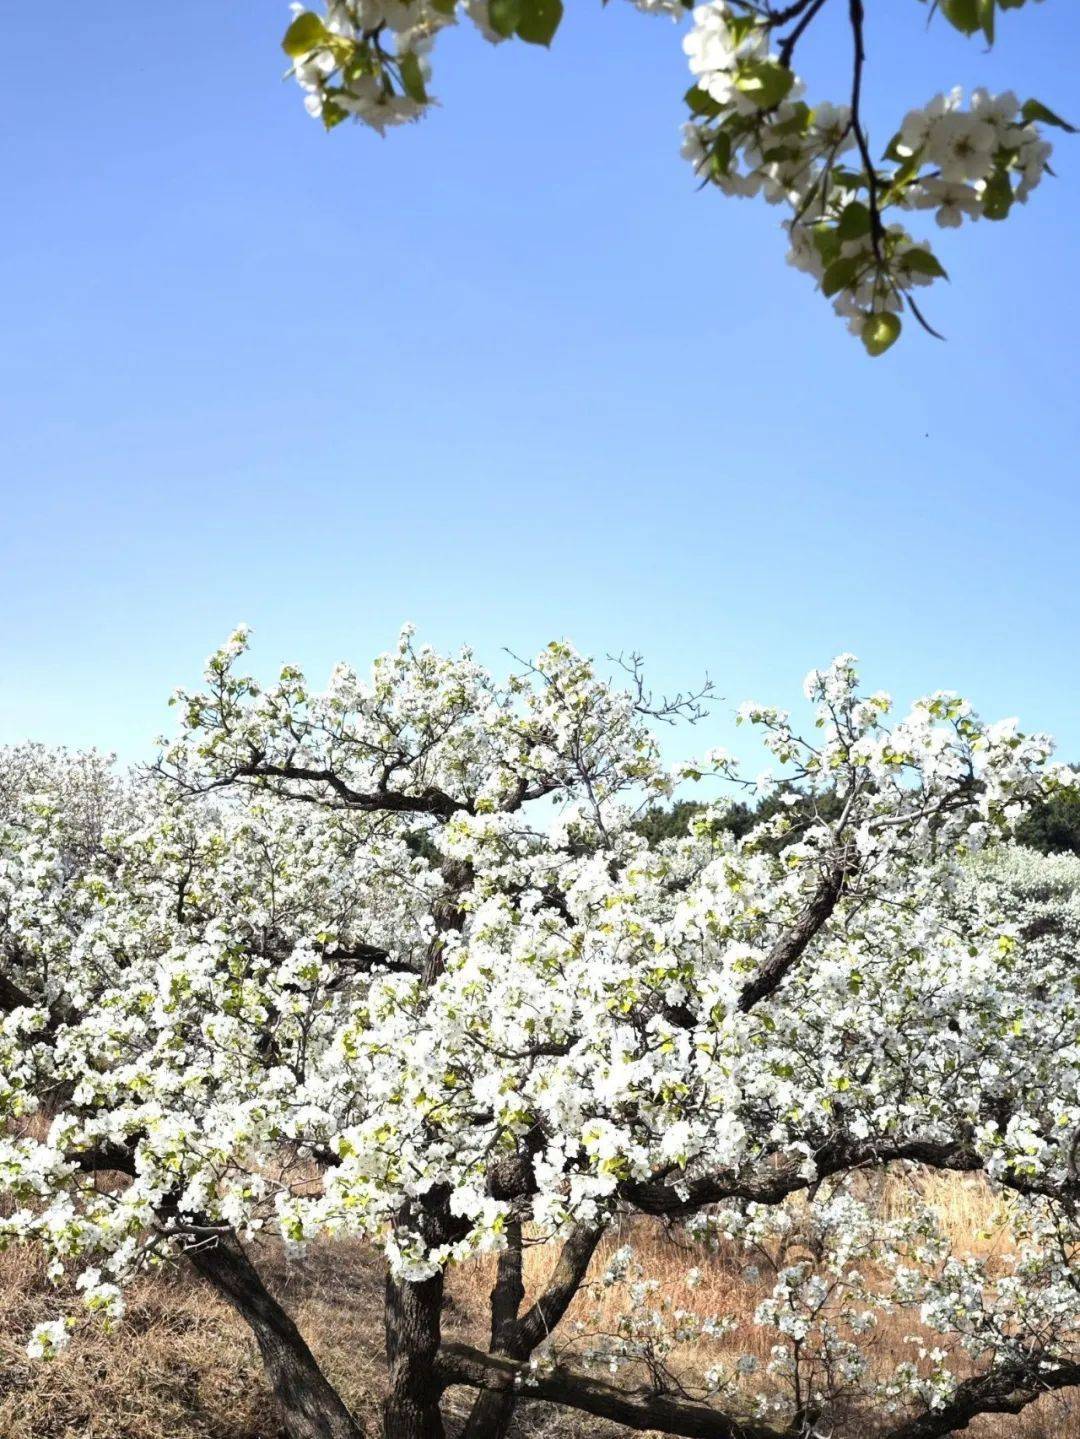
1052, 827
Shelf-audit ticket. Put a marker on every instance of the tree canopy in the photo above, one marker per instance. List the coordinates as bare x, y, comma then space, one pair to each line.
395, 960
750, 131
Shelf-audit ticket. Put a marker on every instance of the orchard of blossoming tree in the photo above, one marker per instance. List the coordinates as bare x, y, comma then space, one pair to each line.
751, 131
395, 961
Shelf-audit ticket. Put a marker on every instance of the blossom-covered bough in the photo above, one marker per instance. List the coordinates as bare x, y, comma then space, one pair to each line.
394, 960
751, 131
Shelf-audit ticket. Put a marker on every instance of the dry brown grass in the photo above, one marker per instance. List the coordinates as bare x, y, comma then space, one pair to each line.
182, 1366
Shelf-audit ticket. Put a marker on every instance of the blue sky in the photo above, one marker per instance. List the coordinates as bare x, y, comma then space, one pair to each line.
508, 375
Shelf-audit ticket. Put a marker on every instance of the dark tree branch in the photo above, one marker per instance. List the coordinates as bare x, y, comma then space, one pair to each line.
413, 1336
310, 1406
787, 46
877, 229
1006, 1390
493, 1410
573, 1263
105, 1159
508, 1291
788, 949
429, 801
790, 12
60, 1012
460, 1364
13, 997
361, 958
773, 1179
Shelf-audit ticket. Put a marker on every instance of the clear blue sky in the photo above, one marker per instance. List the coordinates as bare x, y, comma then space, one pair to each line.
505, 374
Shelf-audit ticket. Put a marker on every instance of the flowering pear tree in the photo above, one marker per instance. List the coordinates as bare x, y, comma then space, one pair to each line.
750, 130
392, 960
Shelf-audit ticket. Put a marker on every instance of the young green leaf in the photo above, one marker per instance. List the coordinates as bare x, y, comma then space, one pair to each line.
839, 275
504, 16
306, 33
826, 242
963, 15
539, 21
699, 101
1036, 110
332, 114
766, 82
924, 262
998, 196
880, 332
720, 155
412, 77
854, 221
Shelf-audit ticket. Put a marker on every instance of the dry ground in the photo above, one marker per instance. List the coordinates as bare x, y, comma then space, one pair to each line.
182, 1366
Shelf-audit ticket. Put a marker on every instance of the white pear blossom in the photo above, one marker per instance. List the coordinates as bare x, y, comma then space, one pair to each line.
751, 132
394, 960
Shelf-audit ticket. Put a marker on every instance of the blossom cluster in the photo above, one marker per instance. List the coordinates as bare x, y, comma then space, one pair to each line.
369, 60
348, 950
751, 132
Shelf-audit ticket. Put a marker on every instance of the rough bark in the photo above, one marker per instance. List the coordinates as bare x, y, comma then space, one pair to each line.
516, 1338
413, 1310
509, 1289
493, 1410
789, 948
566, 1279
773, 1178
413, 1337
1007, 1390
459, 1364
490, 1415
309, 1405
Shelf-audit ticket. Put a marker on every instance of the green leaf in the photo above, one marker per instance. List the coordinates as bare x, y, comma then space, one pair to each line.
891, 151
307, 32
539, 21
839, 275
782, 152
412, 77
826, 242
905, 172
986, 19
720, 155
700, 102
1036, 110
998, 196
881, 332
739, 27
505, 16
924, 262
766, 82
854, 221
359, 63
332, 114
962, 15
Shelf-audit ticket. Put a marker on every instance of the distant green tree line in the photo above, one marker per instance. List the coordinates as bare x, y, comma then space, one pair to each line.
1052, 827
